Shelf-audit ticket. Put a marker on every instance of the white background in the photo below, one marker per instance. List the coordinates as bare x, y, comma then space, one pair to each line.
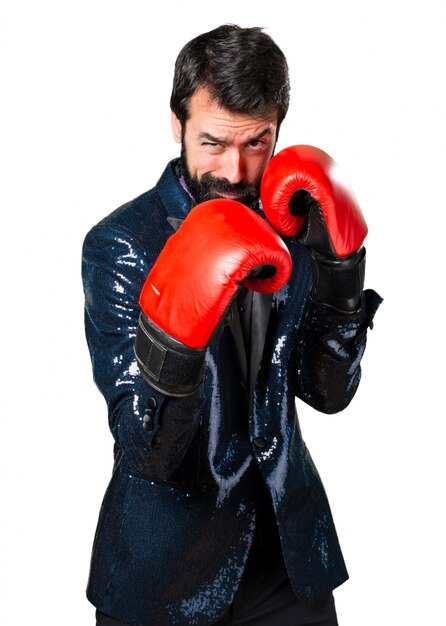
85, 126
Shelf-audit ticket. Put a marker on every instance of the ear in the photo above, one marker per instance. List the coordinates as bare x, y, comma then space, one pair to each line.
176, 127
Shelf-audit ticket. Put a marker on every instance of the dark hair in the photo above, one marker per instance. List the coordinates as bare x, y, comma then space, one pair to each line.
243, 68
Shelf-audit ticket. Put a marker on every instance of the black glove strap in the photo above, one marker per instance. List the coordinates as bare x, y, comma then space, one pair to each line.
165, 363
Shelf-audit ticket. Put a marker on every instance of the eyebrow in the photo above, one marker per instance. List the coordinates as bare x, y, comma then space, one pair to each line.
209, 137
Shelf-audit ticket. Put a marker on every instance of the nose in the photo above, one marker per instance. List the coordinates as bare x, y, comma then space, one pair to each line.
234, 166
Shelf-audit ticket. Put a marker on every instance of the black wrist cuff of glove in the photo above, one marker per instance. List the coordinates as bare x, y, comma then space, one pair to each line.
339, 282
165, 363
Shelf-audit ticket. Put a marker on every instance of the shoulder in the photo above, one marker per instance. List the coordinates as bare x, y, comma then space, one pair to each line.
141, 222
131, 218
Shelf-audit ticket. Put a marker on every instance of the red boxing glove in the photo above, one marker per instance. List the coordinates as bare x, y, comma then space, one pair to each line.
186, 297
304, 192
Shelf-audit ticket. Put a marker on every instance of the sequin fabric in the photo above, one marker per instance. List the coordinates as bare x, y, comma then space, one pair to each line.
178, 518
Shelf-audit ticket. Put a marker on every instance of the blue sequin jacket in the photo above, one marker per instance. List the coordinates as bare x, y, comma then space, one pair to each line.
178, 517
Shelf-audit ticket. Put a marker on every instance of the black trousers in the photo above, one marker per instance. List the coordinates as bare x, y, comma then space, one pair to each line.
265, 598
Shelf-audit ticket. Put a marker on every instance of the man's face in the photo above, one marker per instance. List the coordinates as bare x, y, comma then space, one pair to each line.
224, 153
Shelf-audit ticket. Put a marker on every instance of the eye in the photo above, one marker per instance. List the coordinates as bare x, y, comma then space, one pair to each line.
212, 147
256, 145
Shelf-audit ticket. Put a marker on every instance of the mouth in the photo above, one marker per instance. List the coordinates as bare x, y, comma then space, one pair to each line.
230, 196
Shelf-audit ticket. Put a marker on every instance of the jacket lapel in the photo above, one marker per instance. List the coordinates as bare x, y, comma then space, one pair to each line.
175, 222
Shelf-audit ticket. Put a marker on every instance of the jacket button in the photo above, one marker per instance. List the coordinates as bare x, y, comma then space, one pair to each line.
151, 403
147, 422
259, 442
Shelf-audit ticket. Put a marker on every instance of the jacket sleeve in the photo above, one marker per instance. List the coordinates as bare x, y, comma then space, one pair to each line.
152, 431
330, 349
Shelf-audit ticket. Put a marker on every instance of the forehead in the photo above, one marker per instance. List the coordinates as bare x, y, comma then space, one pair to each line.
205, 111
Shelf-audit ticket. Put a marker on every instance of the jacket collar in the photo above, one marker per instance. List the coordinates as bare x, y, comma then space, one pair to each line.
174, 197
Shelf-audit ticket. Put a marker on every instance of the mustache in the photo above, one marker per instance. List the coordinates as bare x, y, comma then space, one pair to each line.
222, 185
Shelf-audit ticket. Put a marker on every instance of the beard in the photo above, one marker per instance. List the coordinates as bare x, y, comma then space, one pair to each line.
209, 187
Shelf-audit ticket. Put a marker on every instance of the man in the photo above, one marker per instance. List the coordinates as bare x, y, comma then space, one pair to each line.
215, 513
